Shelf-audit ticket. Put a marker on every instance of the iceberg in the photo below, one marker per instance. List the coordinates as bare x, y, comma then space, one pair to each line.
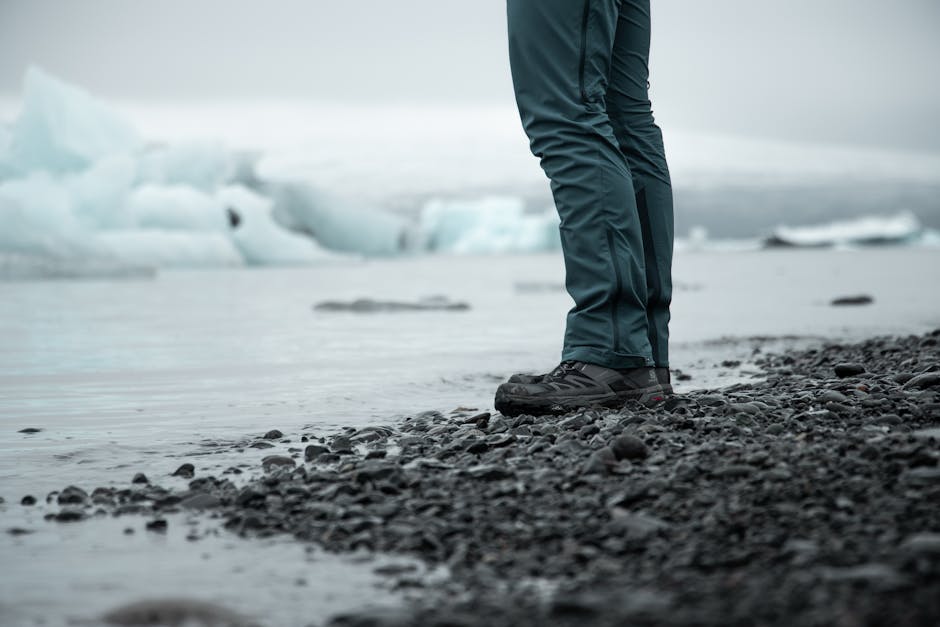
203, 165
495, 224
259, 239
63, 129
349, 229
79, 187
902, 228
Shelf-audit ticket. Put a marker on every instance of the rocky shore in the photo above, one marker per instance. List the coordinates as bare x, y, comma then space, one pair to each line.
808, 497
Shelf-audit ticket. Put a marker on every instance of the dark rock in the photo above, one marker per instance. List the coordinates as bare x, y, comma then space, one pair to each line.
314, 451
600, 461
158, 525
636, 526
923, 381
175, 612
140, 478
477, 447
201, 500
832, 396
273, 434
852, 301
379, 471
490, 472
72, 495
261, 445
277, 462
845, 370
29, 430
341, 443
186, 471
70, 514
734, 471
629, 447
28, 500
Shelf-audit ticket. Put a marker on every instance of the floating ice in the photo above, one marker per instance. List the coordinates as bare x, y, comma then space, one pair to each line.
259, 238
77, 186
202, 165
489, 225
62, 128
902, 228
302, 209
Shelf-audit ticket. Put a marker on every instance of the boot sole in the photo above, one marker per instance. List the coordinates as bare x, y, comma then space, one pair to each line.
515, 404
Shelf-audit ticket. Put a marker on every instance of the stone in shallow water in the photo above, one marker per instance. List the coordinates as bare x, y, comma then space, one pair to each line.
176, 613
368, 305
852, 301
186, 471
200, 501
272, 462
72, 495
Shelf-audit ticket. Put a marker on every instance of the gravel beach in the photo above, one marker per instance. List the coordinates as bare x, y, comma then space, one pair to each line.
810, 496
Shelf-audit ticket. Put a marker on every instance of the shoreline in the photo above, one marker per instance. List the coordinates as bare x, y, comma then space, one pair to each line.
808, 497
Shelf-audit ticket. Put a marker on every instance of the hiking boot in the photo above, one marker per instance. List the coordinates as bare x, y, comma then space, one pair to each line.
574, 385
662, 376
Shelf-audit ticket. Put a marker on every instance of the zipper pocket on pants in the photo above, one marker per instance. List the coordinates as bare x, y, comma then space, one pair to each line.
582, 66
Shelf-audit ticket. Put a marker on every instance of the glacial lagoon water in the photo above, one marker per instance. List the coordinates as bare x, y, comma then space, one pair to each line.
142, 374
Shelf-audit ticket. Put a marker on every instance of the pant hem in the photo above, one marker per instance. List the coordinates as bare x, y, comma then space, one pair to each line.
607, 359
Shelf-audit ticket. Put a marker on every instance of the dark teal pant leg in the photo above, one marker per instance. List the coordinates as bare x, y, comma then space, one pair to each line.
641, 142
561, 53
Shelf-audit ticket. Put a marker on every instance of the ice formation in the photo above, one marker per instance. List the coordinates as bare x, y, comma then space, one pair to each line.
901, 228
488, 225
77, 183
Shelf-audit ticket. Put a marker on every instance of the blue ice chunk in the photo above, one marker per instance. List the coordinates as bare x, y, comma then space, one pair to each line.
337, 226
204, 165
487, 225
261, 240
61, 128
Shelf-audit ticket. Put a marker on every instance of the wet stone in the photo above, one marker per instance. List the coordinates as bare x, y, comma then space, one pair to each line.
273, 434
276, 462
72, 495
186, 471
140, 478
314, 451
28, 500
200, 501
159, 525
70, 514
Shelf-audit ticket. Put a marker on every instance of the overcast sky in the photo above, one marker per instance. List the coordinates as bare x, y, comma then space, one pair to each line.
856, 71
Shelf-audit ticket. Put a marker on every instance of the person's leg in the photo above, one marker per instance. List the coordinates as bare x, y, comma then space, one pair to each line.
560, 53
641, 141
